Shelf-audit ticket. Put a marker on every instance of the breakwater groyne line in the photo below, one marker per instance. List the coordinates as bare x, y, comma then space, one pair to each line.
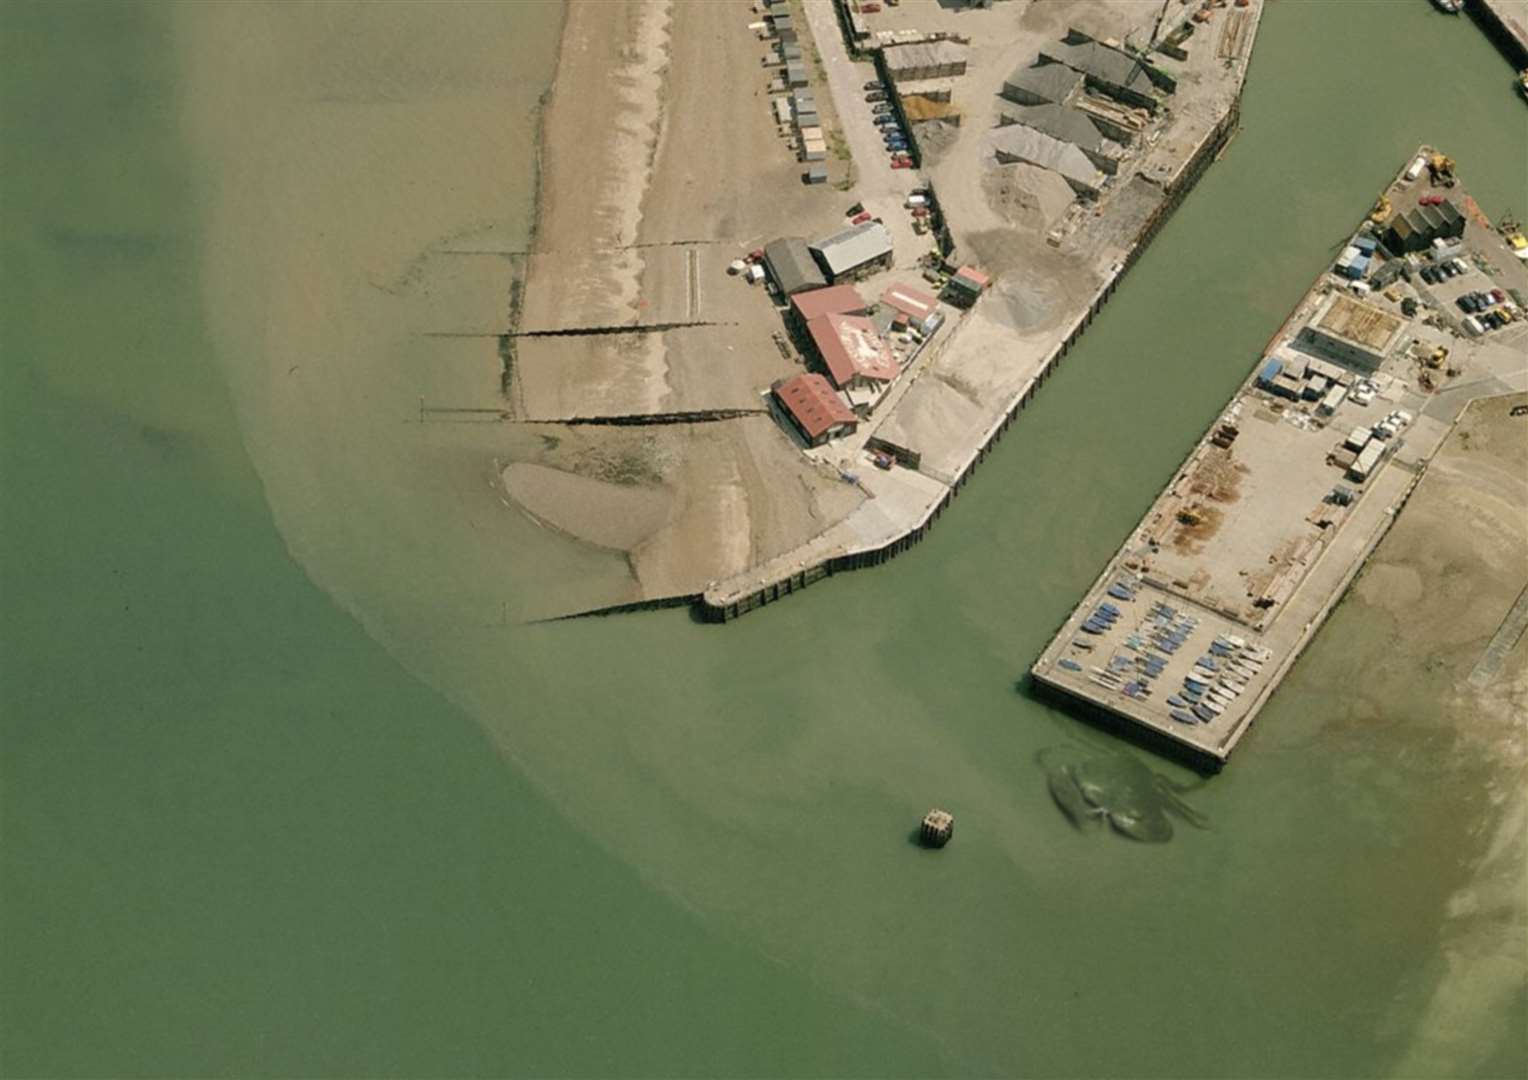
490, 414
577, 331
716, 607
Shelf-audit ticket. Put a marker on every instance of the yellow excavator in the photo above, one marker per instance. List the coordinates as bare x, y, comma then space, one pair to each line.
1441, 168
1435, 359
1381, 212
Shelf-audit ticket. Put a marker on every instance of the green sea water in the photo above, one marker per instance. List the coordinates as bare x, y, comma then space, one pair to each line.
241, 837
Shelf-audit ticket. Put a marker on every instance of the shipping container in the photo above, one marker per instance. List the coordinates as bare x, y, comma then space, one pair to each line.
1368, 461
1332, 399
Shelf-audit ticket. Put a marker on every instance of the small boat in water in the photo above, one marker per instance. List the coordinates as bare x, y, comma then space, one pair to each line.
1449, 7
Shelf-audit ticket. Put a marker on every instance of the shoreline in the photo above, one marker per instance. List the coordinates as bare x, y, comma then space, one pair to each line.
518, 282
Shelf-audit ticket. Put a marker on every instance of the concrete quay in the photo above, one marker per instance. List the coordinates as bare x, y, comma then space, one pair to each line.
1506, 23
1193, 624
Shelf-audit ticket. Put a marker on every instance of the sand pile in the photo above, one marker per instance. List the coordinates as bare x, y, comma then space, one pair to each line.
935, 137
610, 515
1028, 196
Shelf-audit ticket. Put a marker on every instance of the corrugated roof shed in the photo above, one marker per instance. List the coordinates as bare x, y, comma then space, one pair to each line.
813, 404
914, 303
834, 300
791, 264
1058, 121
851, 348
1049, 82
1102, 63
925, 55
1020, 143
842, 252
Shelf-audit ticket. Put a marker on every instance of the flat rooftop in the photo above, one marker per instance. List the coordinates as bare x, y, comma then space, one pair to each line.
1360, 323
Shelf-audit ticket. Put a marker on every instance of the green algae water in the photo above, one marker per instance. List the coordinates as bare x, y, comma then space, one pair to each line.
258, 825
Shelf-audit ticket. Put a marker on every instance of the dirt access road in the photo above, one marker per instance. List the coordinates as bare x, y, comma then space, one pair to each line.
881, 188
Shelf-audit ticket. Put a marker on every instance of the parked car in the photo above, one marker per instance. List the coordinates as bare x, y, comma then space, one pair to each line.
886, 120
901, 163
875, 95
1429, 274
1498, 295
874, 84
880, 108
860, 218
857, 208
883, 460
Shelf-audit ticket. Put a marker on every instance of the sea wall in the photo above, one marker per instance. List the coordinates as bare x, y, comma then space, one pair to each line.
1207, 151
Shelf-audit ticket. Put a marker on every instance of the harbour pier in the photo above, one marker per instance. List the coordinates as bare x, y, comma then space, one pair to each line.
1185, 635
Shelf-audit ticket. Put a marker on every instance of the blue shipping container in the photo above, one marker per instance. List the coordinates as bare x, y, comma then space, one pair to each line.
1270, 370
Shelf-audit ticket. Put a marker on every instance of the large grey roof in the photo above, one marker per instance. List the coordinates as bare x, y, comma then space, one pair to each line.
924, 54
1102, 63
1059, 122
853, 247
1053, 82
1027, 144
791, 265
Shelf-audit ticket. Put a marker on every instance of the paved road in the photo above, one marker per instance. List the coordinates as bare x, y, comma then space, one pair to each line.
881, 188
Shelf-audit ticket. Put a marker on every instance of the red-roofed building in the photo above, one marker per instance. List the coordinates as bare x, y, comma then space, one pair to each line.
854, 353
834, 300
814, 408
915, 306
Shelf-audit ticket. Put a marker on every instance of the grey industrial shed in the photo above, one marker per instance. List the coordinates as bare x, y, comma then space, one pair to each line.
1045, 85
790, 263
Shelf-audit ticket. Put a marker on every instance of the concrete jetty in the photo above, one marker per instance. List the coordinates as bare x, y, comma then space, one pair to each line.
1192, 625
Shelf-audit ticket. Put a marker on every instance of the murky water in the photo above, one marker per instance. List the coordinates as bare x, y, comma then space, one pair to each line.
241, 837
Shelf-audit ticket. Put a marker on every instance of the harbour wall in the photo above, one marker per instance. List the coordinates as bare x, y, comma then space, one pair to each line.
1507, 34
1206, 153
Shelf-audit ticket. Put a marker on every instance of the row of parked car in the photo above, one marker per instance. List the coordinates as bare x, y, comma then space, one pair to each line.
1448, 268
1486, 311
884, 117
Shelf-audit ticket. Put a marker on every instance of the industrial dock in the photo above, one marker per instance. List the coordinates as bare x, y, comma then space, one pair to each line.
1192, 625
1118, 136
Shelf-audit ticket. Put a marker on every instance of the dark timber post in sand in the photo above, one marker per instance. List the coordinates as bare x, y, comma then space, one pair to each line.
938, 827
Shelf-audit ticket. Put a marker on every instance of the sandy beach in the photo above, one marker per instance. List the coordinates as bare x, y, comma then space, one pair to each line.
641, 209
